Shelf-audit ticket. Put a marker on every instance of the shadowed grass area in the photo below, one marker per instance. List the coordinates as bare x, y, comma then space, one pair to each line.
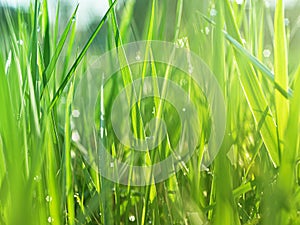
47, 174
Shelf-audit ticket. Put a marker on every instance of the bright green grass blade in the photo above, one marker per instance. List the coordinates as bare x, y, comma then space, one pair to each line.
79, 58
253, 91
280, 69
34, 53
149, 37
257, 64
284, 210
53, 62
53, 187
225, 209
68, 162
70, 49
127, 19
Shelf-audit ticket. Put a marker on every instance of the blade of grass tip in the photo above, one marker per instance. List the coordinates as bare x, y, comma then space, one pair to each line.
281, 70
53, 62
46, 26
68, 160
56, 24
69, 50
80, 57
34, 53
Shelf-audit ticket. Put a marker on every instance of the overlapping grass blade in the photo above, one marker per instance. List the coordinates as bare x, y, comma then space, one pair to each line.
49, 68
253, 91
79, 58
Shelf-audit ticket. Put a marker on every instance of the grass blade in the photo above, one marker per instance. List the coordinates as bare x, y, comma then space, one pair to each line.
53, 62
253, 91
79, 58
281, 70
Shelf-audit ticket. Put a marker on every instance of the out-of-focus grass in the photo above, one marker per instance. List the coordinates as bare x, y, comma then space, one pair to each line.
254, 179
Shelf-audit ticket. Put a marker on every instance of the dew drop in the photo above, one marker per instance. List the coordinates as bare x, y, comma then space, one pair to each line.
8, 62
207, 30
239, 2
48, 198
132, 218
75, 136
191, 69
37, 178
213, 12
75, 113
50, 219
138, 56
20, 42
267, 53
286, 21
73, 154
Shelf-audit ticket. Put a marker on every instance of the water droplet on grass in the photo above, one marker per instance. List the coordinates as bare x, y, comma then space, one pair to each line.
131, 218
267, 53
75, 136
50, 219
207, 30
75, 113
20, 42
191, 69
138, 56
48, 198
286, 21
213, 12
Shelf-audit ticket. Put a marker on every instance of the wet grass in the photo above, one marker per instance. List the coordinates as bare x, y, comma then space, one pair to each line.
45, 178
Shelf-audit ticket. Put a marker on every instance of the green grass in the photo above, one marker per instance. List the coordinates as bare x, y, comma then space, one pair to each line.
44, 175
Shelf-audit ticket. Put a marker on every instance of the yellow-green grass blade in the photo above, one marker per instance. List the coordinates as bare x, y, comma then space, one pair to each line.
51, 169
280, 70
225, 209
68, 159
285, 209
253, 91
255, 62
